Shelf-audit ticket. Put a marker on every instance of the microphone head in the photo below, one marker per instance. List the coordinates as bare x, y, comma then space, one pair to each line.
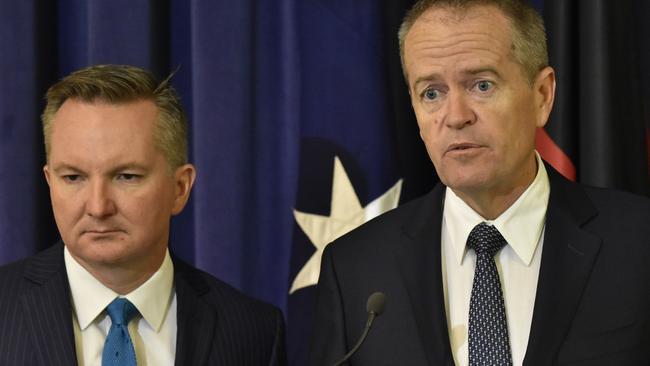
376, 303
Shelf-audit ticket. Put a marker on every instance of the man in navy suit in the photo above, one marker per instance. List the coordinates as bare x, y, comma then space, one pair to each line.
568, 282
111, 293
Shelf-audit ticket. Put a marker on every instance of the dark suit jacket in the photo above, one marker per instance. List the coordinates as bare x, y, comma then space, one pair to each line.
217, 325
593, 297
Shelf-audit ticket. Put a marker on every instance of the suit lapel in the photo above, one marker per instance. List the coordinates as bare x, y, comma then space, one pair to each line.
419, 263
568, 256
46, 302
196, 319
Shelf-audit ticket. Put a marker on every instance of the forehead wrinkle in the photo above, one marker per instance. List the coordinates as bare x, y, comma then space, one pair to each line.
485, 50
434, 54
469, 39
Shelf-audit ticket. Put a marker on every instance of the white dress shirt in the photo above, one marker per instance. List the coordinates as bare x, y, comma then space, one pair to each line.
153, 330
518, 263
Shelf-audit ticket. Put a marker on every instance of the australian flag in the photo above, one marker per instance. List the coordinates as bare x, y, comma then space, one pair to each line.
360, 153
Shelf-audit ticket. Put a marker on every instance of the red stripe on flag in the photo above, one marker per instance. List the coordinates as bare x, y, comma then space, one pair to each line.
554, 155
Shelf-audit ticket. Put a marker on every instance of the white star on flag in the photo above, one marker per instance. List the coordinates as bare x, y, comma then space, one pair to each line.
346, 213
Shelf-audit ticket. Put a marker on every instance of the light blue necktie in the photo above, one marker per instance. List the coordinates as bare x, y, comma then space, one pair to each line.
118, 348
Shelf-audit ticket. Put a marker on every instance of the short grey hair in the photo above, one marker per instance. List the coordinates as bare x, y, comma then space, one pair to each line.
528, 33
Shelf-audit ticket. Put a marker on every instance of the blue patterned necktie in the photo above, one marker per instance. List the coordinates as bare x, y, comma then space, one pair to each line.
118, 348
488, 329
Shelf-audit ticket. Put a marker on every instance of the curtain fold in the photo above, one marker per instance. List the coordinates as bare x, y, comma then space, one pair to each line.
601, 114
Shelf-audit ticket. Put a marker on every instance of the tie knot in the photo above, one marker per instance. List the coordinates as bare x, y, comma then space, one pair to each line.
121, 311
485, 239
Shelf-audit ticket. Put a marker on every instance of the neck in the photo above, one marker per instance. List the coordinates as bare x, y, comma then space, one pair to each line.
491, 206
123, 278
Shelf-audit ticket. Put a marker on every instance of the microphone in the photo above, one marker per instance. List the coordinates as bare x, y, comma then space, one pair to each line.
374, 307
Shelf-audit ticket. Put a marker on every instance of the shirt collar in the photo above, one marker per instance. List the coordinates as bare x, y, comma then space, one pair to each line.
90, 297
521, 224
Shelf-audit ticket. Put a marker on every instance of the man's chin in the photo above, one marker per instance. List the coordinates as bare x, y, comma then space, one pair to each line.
465, 182
100, 252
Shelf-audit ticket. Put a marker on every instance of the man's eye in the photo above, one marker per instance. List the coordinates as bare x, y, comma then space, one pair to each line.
128, 177
484, 85
430, 94
72, 178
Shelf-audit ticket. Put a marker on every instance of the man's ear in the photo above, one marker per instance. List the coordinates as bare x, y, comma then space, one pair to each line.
544, 89
184, 177
46, 172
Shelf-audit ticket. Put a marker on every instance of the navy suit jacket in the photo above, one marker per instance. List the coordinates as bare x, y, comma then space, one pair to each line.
217, 325
593, 296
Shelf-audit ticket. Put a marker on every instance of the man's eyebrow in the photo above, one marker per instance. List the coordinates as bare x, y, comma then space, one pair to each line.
474, 71
58, 168
426, 78
128, 166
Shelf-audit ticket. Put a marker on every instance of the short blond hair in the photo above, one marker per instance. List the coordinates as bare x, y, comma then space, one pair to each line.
528, 32
117, 84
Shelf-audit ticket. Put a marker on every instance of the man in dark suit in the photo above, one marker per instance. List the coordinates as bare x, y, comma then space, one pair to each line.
111, 293
505, 262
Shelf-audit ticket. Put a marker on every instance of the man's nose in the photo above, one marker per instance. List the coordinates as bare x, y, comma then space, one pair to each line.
459, 113
100, 202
